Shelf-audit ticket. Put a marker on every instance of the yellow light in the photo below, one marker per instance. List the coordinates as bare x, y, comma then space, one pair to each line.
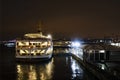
32, 73
23, 43
21, 51
18, 68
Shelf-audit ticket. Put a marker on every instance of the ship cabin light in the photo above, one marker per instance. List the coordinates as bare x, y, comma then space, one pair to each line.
24, 52
23, 43
44, 44
49, 43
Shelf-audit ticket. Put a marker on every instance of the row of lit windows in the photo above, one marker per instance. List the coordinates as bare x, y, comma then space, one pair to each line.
33, 43
34, 52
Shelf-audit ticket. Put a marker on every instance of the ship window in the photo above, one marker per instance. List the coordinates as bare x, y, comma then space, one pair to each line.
31, 54
33, 43
30, 43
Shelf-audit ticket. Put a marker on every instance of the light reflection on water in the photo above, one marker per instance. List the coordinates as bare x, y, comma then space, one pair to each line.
77, 71
35, 71
58, 68
77, 51
46, 71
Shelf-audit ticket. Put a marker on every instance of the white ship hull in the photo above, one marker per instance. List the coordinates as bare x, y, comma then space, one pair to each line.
33, 58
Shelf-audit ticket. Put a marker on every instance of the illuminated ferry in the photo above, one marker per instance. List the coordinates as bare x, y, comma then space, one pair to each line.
34, 46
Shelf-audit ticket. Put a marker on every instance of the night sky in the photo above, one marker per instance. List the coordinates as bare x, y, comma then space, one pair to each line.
69, 18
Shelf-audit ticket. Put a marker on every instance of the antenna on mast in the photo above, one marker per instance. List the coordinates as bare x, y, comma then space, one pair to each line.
40, 27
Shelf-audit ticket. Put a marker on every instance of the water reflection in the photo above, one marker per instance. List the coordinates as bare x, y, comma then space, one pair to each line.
77, 71
61, 67
35, 71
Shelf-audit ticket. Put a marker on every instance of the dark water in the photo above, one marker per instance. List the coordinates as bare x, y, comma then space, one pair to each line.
60, 67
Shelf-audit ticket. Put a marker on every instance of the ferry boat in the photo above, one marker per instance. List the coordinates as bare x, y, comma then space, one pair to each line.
34, 47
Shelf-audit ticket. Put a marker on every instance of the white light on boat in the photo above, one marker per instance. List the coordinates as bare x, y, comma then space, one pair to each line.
49, 36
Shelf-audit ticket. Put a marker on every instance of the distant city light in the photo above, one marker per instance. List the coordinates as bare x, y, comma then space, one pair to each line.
101, 51
101, 40
115, 44
10, 44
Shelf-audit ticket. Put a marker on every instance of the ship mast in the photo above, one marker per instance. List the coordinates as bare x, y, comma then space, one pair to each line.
39, 28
